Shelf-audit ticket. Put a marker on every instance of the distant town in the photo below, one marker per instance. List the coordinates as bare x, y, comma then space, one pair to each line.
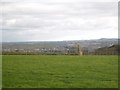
101, 46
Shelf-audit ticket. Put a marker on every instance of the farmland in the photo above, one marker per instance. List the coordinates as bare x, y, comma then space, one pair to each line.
60, 71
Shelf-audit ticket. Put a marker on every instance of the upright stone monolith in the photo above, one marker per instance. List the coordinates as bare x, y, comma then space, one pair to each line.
79, 50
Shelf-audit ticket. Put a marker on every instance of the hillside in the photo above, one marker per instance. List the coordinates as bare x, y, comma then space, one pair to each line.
57, 47
112, 50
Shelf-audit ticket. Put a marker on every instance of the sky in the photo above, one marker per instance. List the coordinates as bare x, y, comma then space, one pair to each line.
58, 20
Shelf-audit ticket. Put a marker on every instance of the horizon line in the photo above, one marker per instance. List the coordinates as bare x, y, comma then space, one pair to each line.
55, 40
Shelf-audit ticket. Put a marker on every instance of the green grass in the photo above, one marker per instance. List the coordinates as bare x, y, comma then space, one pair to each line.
45, 71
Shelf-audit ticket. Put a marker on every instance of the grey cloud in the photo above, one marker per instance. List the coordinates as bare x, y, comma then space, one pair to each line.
59, 1
45, 17
83, 10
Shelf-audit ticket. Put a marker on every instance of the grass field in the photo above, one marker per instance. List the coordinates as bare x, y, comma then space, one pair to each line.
37, 71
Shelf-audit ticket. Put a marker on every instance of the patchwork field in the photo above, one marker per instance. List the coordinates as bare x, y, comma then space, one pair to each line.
45, 71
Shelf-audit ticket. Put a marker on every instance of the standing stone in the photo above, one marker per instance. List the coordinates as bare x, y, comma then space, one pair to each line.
79, 50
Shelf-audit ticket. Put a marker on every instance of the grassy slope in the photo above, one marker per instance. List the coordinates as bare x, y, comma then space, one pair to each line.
60, 71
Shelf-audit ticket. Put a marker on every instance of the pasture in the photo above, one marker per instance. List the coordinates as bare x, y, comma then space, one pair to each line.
59, 71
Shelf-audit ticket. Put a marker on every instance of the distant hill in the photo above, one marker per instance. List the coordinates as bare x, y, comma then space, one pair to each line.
112, 50
63, 47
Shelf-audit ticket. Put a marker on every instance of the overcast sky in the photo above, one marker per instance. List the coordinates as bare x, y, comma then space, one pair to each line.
57, 20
